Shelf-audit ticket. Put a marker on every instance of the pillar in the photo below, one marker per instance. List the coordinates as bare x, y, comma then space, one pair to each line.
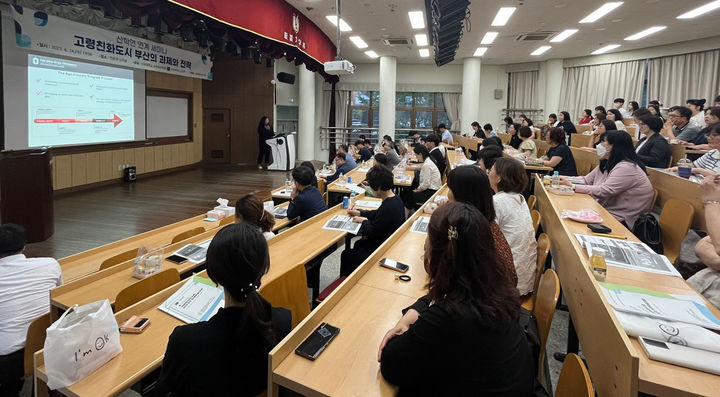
553, 75
306, 114
470, 100
388, 69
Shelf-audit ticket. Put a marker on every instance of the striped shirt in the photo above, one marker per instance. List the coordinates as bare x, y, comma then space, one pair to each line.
709, 161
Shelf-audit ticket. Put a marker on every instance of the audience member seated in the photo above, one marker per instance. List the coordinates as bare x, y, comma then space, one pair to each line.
619, 105
392, 155
508, 121
599, 109
709, 164
470, 184
493, 141
306, 200
310, 165
707, 281
445, 135
653, 149
477, 132
230, 350
615, 116
527, 146
437, 152
463, 338
382, 159
249, 209
655, 111
552, 120
515, 140
602, 128
620, 183
415, 137
586, 117
632, 107
489, 131
696, 106
343, 149
712, 116
565, 123
599, 117
363, 151
509, 179
429, 182
683, 129
25, 285
559, 156
377, 225
341, 168
488, 155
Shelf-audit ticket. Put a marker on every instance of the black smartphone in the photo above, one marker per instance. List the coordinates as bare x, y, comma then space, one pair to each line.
599, 228
177, 259
394, 265
317, 341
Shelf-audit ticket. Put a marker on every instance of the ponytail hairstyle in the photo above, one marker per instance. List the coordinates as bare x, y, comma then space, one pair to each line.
249, 209
463, 271
237, 258
697, 102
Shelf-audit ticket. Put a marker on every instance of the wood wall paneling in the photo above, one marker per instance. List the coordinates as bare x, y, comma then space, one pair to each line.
149, 159
93, 167
63, 165
139, 160
78, 162
158, 158
167, 157
176, 155
106, 166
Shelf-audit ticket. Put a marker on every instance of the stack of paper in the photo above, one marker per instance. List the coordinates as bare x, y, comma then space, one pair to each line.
195, 253
628, 254
197, 300
343, 223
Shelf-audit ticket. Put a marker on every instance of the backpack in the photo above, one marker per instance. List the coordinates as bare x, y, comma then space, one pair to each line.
647, 229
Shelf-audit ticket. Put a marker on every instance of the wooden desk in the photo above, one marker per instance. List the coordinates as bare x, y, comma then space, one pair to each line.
671, 186
284, 222
356, 176
87, 262
617, 364
468, 142
510, 153
679, 152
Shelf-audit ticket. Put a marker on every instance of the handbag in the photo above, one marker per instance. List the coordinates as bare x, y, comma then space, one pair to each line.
647, 229
82, 340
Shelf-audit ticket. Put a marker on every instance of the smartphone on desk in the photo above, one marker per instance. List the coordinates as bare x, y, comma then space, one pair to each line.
177, 259
595, 228
317, 341
394, 265
134, 325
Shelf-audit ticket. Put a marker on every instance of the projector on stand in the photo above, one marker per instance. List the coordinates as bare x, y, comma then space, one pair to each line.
339, 67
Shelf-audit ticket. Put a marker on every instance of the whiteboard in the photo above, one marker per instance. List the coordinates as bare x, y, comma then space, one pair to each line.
167, 117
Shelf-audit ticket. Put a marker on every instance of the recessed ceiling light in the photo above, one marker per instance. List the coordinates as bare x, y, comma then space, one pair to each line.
371, 54
646, 32
563, 35
700, 10
616, 20
541, 50
424, 52
489, 38
601, 12
421, 40
480, 51
417, 19
605, 49
344, 27
502, 16
358, 41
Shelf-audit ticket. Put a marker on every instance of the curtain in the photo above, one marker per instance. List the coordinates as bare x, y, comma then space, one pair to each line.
523, 93
585, 87
452, 107
675, 79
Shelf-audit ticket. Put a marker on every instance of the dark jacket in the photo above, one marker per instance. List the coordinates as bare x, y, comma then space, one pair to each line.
568, 127
307, 204
383, 222
655, 152
343, 169
221, 356
437, 157
264, 135
365, 154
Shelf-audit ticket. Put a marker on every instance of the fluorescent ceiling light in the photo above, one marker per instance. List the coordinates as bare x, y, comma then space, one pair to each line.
605, 49
421, 40
358, 41
424, 52
563, 35
502, 16
541, 50
417, 19
480, 51
489, 38
601, 12
646, 32
371, 54
344, 27
700, 10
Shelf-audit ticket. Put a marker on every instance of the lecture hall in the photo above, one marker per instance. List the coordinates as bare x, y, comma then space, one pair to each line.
359, 198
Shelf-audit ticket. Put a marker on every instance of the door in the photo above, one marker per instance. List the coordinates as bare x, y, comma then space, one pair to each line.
216, 135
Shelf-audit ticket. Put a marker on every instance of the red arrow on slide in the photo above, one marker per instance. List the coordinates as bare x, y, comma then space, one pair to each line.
115, 120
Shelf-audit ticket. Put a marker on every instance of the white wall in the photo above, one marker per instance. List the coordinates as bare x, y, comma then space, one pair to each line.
492, 77
286, 94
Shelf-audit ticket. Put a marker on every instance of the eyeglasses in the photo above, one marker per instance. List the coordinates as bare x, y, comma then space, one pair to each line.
673, 115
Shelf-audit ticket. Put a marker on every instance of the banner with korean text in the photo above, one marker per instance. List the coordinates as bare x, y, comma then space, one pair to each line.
36, 30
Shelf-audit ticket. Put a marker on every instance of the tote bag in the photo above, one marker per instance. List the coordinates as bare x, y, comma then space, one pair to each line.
82, 340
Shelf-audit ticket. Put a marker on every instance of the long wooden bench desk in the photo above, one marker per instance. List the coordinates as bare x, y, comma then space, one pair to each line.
617, 364
674, 187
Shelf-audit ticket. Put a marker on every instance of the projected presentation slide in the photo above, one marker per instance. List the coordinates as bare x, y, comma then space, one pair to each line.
74, 103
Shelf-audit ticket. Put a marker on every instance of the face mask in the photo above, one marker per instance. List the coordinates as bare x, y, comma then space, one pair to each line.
601, 150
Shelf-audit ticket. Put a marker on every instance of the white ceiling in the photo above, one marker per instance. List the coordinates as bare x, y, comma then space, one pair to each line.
374, 20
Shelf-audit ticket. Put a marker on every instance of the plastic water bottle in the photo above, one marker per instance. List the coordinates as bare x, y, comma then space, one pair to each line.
288, 185
555, 181
342, 179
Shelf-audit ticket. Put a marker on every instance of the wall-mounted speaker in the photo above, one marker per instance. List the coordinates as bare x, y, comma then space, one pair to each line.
498, 93
286, 78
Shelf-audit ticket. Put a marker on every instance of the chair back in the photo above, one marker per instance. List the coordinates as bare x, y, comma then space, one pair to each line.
628, 121
536, 218
35, 341
543, 250
146, 287
531, 202
652, 203
574, 380
118, 259
583, 128
189, 233
547, 296
675, 220
325, 198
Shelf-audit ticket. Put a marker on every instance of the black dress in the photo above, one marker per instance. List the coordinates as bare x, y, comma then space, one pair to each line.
219, 357
264, 151
566, 166
515, 141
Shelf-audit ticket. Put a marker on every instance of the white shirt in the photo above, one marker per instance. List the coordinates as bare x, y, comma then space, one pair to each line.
513, 216
25, 285
429, 176
447, 136
625, 113
698, 120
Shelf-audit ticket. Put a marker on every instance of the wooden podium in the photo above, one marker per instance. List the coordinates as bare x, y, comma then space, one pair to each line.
26, 192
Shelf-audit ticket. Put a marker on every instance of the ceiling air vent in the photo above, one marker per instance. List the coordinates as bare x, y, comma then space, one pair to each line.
534, 36
397, 41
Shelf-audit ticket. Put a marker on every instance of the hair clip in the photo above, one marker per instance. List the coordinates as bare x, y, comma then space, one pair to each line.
452, 232
402, 277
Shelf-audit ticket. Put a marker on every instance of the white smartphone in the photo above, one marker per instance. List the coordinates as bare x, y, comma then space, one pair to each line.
701, 360
394, 265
